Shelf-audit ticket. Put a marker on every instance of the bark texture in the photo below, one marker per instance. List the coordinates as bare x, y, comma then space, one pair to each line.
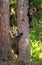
5, 48
23, 27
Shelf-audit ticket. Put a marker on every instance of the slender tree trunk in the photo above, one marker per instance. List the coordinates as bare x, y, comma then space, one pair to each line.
5, 49
23, 27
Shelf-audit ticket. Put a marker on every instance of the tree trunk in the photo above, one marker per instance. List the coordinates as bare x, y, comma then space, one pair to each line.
5, 48
23, 27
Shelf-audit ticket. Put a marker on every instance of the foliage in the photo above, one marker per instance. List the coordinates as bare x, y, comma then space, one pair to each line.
13, 14
35, 44
12, 29
36, 6
12, 1
39, 32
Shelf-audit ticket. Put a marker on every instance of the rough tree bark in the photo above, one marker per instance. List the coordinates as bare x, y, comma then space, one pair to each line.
5, 48
23, 27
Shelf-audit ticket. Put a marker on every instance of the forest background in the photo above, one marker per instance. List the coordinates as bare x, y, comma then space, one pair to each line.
35, 27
